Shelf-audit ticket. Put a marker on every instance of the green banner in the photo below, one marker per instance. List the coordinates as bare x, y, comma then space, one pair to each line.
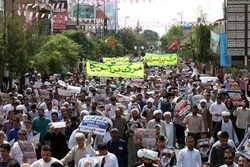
161, 60
129, 70
115, 60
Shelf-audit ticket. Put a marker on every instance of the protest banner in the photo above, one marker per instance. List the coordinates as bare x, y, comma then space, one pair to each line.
131, 70
74, 89
244, 147
28, 149
203, 147
196, 99
131, 126
182, 107
115, 60
167, 154
5, 97
37, 84
145, 136
97, 124
91, 161
64, 92
44, 93
161, 60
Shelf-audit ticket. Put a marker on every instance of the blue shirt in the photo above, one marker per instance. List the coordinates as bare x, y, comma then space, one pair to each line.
13, 134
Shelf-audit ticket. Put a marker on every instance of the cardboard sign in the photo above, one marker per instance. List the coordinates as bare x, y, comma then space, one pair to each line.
44, 93
121, 97
37, 85
74, 89
182, 107
91, 161
55, 104
244, 147
58, 125
27, 149
145, 136
97, 124
136, 82
64, 92
196, 99
203, 147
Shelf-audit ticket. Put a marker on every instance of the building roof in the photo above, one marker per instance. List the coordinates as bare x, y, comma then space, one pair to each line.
100, 14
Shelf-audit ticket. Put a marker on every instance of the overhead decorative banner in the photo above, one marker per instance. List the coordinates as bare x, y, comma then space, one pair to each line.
115, 60
161, 60
130, 70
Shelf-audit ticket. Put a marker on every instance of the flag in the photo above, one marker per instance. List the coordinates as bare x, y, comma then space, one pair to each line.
174, 45
214, 41
225, 60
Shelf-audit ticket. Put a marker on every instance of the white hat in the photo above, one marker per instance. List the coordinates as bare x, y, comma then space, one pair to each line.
225, 113
149, 154
157, 112
21, 107
136, 110
85, 112
167, 113
79, 135
140, 153
150, 100
203, 101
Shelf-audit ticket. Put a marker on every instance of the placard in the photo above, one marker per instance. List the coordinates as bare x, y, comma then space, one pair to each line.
55, 104
91, 161
97, 124
145, 136
37, 84
64, 92
196, 99
35, 139
182, 107
58, 125
74, 89
136, 82
121, 98
203, 147
167, 154
44, 93
132, 125
27, 149
244, 147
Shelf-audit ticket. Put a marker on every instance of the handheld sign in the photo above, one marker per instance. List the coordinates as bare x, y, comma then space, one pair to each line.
97, 124
182, 107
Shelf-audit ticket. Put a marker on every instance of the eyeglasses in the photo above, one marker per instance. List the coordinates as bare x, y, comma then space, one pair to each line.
22, 134
228, 157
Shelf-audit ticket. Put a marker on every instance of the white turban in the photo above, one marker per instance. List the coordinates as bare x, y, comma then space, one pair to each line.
167, 113
225, 113
136, 110
157, 112
203, 101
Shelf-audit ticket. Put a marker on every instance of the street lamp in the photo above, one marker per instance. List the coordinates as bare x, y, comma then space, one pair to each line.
126, 21
181, 16
116, 20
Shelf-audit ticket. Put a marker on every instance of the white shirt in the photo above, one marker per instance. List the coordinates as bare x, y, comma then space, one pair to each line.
48, 113
170, 133
217, 109
41, 163
234, 165
111, 160
17, 153
187, 158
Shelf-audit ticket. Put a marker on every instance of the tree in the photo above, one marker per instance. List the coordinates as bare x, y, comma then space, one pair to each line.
58, 55
173, 34
151, 37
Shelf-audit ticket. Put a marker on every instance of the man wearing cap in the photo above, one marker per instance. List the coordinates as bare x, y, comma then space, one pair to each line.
157, 120
226, 125
118, 147
216, 110
170, 129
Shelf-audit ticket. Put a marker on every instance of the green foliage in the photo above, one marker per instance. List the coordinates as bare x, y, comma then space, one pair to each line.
151, 37
58, 55
167, 39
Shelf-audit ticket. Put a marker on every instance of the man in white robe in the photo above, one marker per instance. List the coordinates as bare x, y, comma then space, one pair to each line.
170, 129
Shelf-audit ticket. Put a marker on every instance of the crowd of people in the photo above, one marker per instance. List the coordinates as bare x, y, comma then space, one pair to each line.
207, 134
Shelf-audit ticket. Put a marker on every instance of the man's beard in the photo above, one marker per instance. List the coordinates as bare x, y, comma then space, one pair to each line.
158, 119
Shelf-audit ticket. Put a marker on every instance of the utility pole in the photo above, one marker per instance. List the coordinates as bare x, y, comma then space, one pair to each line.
78, 8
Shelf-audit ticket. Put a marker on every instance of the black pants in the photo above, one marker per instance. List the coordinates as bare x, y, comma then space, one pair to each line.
241, 134
180, 135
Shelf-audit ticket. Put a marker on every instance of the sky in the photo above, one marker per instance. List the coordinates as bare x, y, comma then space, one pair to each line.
153, 15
